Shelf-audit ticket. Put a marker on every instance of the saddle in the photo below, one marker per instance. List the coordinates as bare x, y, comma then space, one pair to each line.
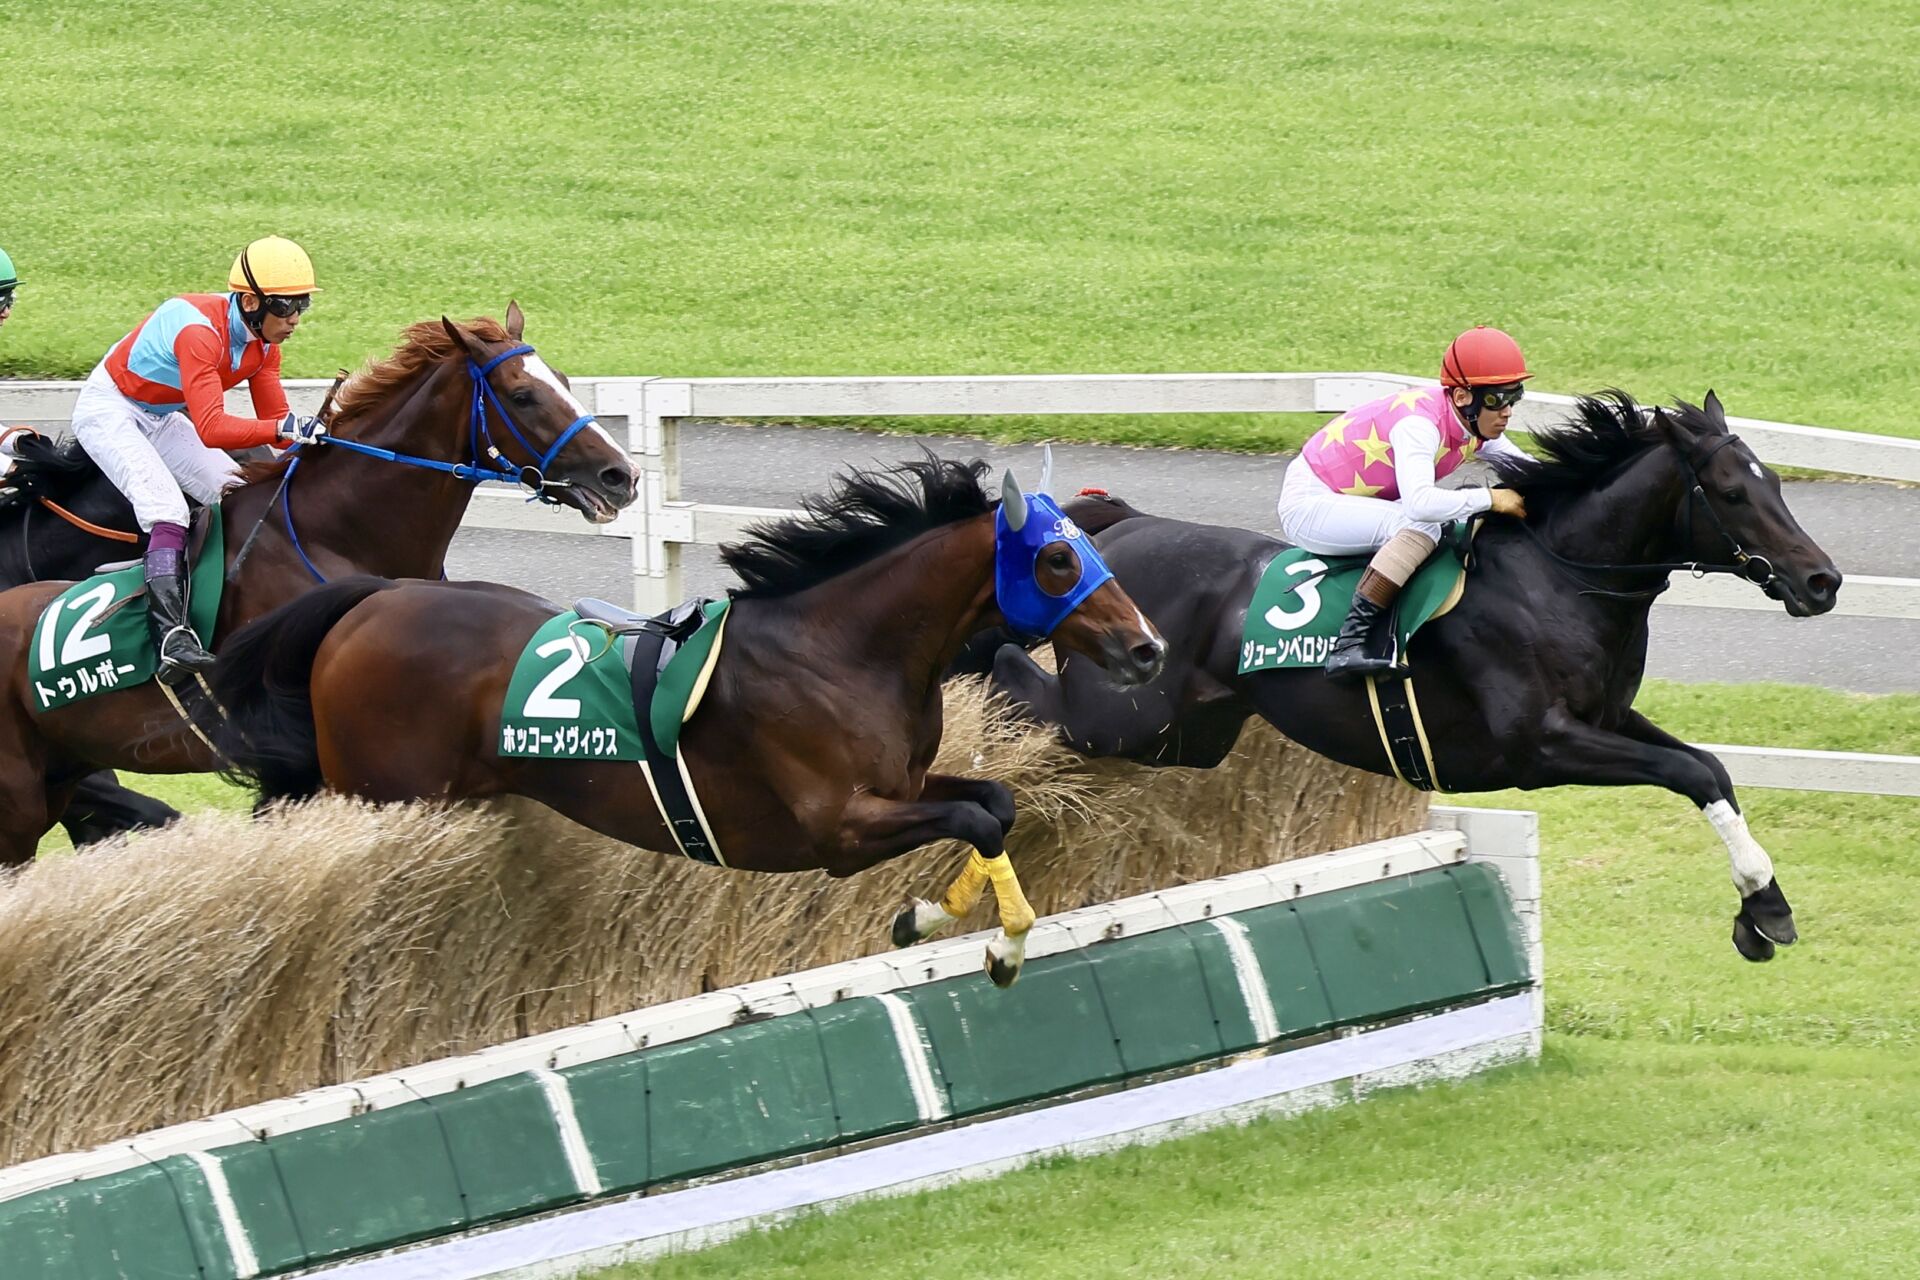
673, 627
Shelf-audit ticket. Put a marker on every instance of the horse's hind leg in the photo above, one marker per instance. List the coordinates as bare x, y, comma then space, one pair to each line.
101, 807
25, 812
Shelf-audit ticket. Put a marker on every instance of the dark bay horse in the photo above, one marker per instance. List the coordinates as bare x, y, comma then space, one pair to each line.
812, 746
442, 400
1529, 682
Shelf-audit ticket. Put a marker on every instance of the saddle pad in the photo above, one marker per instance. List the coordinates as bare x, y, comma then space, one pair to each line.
1302, 599
572, 693
94, 637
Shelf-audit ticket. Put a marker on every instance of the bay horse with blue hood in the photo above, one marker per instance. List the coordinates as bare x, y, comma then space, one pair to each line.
812, 743
1529, 681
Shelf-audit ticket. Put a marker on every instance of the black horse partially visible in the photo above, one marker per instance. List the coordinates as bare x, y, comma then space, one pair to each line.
1529, 682
37, 543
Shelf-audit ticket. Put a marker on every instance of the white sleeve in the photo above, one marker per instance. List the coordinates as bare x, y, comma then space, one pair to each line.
1503, 448
1415, 440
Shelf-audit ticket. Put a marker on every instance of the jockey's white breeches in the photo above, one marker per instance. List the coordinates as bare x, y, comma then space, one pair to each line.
155, 459
1321, 519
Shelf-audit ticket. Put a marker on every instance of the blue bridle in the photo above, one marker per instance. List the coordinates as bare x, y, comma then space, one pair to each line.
495, 468
1030, 611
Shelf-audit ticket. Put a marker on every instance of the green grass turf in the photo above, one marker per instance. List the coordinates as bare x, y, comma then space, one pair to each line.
1661, 196
1694, 1115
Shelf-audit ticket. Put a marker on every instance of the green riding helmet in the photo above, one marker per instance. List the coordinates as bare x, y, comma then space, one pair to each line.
8, 278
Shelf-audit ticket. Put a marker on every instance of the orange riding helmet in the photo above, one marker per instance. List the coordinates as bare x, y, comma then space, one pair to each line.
1483, 357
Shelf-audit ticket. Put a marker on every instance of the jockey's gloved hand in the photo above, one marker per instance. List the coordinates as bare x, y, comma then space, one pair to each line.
296, 429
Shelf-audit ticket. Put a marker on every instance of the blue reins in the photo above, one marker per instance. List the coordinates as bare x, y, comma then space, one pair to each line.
502, 470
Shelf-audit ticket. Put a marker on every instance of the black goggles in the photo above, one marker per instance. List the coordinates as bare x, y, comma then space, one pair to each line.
283, 307
6, 297
1503, 397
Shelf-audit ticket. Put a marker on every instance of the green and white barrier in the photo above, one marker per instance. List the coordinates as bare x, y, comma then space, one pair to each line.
1307, 983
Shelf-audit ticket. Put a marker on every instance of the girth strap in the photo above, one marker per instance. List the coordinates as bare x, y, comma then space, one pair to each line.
663, 770
1396, 715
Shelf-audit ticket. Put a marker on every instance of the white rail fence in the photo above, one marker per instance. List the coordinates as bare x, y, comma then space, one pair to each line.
663, 522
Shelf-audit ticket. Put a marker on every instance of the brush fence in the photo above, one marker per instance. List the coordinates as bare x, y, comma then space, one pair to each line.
1305, 983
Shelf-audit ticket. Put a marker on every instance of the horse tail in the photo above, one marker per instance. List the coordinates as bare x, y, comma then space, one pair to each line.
264, 681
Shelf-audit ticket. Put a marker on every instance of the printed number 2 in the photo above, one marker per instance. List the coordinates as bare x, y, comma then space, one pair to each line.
1309, 592
541, 701
80, 647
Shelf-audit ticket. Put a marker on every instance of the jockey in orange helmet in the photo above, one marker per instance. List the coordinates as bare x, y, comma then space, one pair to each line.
153, 415
1365, 483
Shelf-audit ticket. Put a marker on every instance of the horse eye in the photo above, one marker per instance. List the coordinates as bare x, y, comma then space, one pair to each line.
524, 398
1733, 496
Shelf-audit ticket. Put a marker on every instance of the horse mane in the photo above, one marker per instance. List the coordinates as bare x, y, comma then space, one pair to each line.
422, 345
866, 513
1608, 430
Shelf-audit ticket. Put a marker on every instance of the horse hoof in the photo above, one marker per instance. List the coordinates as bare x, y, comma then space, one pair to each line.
1749, 941
917, 920
1767, 913
1005, 955
904, 933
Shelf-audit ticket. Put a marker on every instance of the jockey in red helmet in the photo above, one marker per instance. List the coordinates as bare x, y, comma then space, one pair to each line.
1365, 482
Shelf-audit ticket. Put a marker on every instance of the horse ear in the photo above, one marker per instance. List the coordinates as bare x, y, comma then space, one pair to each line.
461, 337
1678, 435
1714, 411
1013, 502
1046, 471
516, 320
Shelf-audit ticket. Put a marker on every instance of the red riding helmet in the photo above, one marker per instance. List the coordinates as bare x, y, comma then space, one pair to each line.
1483, 357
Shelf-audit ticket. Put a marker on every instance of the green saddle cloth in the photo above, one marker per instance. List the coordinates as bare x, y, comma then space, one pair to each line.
94, 637
572, 692
1302, 599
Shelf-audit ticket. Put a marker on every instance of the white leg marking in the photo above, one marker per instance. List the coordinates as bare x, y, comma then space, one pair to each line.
1009, 951
1752, 868
929, 918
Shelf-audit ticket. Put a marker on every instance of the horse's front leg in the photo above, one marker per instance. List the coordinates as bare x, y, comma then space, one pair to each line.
1574, 753
873, 829
1765, 917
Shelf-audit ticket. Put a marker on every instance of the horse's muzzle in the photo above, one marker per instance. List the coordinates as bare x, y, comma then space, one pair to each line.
1135, 662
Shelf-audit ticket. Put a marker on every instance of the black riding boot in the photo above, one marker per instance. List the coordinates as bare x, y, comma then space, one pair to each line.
181, 653
1364, 646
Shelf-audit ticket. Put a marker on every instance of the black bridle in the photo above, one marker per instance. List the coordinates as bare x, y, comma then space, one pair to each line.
1754, 568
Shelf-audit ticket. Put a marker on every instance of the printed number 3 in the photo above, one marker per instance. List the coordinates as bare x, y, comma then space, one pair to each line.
1309, 592
79, 647
541, 702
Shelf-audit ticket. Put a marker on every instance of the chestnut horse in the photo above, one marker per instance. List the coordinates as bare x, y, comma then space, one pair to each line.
455, 404
820, 720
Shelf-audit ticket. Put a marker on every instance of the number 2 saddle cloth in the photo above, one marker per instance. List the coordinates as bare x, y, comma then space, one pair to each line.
600, 683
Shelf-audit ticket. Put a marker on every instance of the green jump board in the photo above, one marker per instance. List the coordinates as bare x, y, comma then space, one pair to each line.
94, 637
1302, 599
784, 1086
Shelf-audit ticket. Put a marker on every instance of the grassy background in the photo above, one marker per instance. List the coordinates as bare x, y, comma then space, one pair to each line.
1656, 195
1693, 1115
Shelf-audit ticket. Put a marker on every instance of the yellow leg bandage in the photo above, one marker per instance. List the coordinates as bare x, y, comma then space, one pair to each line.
1016, 916
964, 893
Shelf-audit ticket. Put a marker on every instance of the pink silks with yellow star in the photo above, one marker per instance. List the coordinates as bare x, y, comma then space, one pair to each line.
1352, 454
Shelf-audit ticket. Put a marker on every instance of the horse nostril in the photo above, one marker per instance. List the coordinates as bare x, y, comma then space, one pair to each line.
618, 479
1145, 654
1823, 586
